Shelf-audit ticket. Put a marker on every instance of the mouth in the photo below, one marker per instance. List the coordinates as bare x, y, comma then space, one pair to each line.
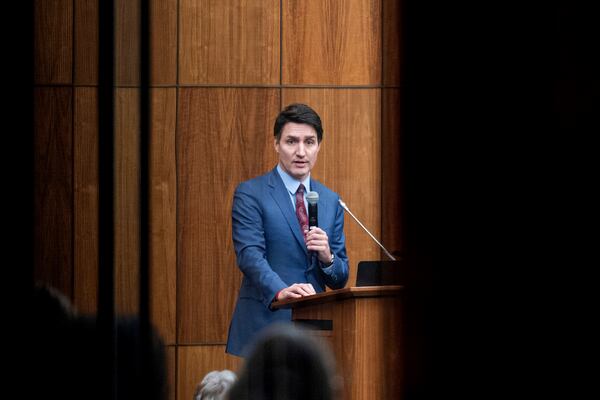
300, 163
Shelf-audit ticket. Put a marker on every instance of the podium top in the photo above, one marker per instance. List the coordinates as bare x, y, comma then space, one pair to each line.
339, 294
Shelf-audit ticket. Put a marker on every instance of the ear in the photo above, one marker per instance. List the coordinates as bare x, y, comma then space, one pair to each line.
276, 145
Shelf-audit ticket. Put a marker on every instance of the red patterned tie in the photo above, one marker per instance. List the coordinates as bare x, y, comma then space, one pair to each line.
301, 209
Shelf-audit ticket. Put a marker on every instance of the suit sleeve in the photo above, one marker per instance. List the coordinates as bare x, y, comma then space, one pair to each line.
250, 248
336, 275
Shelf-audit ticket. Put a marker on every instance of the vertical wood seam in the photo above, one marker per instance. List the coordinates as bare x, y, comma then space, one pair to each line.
73, 211
176, 149
382, 212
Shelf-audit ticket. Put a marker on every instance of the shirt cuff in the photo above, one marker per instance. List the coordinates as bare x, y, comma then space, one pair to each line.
276, 295
327, 269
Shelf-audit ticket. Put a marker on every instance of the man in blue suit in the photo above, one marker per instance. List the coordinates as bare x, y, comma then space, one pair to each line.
281, 259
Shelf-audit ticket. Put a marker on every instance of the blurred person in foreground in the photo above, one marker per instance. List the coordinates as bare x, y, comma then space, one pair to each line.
214, 385
286, 363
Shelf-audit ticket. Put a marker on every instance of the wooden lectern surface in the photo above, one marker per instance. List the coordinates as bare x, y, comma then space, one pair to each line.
339, 294
362, 326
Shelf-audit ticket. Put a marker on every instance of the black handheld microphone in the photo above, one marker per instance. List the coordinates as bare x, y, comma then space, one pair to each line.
312, 198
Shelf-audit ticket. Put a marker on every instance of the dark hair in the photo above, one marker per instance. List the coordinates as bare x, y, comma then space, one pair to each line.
141, 361
64, 353
286, 363
62, 346
300, 114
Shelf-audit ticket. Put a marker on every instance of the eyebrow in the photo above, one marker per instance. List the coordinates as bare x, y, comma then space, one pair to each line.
298, 137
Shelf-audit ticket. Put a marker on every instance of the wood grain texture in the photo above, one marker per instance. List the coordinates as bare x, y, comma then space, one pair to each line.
378, 342
85, 144
391, 173
86, 42
339, 295
53, 188
224, 138
366, 340
163, 41
196, 361
229, 42
349, 160
53, 41
392, 42
331, 42
127, 42
127, 175
171, 355
163, 203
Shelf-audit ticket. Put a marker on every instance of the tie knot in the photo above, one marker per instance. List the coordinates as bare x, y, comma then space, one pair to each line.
300, 189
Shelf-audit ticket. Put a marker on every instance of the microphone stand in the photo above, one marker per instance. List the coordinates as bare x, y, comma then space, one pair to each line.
366, 230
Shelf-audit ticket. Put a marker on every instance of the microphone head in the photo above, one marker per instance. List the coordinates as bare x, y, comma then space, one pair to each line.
343, 204
312, 197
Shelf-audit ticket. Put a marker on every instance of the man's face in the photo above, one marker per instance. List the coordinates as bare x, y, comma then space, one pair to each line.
297, 148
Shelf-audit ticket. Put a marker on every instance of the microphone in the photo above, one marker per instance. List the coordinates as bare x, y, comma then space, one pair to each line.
366, 230
312, 198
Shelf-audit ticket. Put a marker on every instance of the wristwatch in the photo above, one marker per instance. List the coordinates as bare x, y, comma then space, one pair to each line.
332, 260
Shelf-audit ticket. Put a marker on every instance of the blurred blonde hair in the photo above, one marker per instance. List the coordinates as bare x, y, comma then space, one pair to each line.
215, 385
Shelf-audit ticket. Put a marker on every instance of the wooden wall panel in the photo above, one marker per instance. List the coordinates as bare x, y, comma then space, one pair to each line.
349, 159
53, 41
229, 42
331, 42
86, 42
171, 355
197, 361
163, 203
224, 137
391, 173
392, 42
85, 164
127, 42
163, 41
53, 188
126, 216
206, 141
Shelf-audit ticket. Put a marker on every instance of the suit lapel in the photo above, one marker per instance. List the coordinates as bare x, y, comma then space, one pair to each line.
282, 198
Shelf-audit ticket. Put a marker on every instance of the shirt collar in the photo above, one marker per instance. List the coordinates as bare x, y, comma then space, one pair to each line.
292, 184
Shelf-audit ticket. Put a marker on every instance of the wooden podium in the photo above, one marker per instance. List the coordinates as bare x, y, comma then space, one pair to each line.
362, 325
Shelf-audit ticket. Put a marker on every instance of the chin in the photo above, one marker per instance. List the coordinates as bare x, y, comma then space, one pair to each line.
301, 173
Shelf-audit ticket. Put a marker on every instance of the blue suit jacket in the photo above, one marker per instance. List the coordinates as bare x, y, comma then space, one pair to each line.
272, 255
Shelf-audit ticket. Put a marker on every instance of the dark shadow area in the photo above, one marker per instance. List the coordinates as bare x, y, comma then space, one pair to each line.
17, 160
65, 355
498, 100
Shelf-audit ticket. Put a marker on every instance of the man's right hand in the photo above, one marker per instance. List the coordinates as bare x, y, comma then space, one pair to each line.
296, 290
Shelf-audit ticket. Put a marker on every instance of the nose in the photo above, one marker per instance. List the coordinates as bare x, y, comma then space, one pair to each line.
301, 151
